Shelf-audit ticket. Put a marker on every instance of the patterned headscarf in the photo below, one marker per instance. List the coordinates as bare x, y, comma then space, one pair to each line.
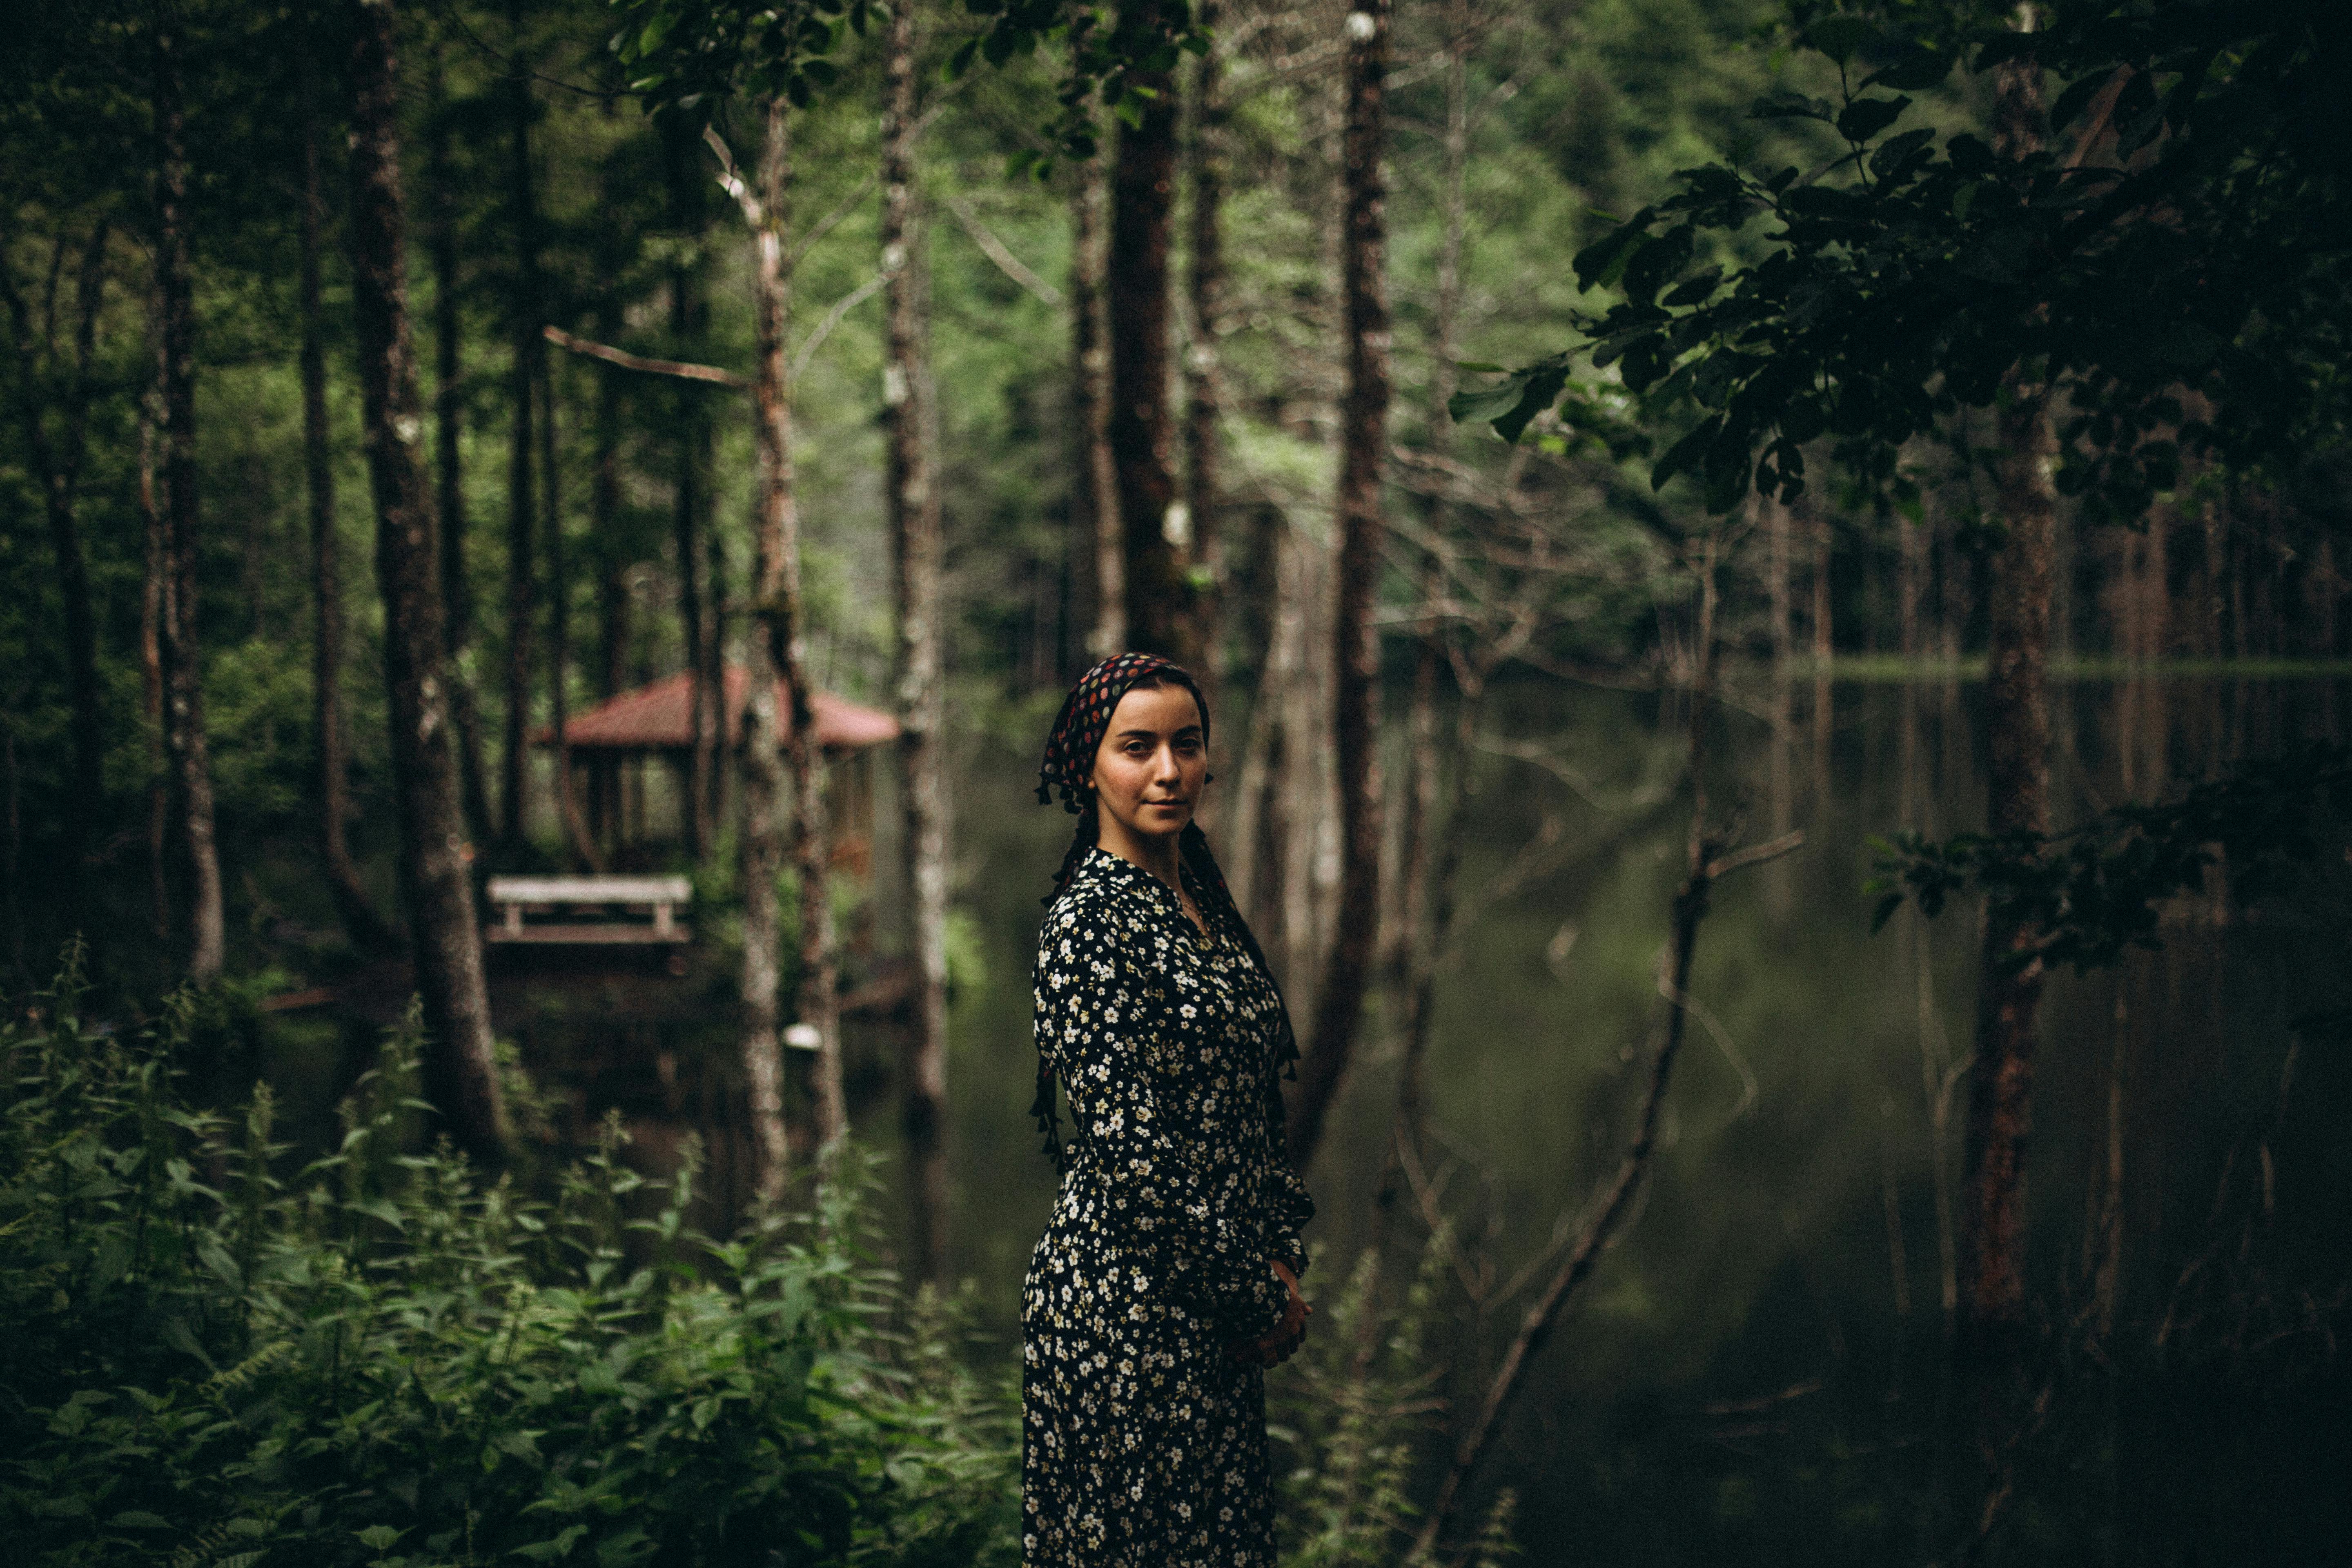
1068, 769
1069, 762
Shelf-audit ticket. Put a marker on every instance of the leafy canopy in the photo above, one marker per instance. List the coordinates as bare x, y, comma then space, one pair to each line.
2171, 254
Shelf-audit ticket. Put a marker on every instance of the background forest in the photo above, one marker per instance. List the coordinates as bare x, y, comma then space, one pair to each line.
1768, 577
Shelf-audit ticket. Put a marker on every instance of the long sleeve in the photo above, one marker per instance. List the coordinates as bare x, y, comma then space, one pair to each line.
1097, 1022
1288, 1206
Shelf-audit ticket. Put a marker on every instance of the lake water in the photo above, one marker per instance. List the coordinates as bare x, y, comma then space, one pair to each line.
1755, 1370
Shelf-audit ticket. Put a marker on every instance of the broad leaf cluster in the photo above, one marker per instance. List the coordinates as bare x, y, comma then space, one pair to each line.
2169, 251
2091, 895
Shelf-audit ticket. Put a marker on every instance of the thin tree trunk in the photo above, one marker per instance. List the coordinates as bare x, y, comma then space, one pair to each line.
613, 629
153, 600
57, 468
692, 460
778, 657
915, 548
1159, 595
1824, 651
914, 513
2017, 718
1093, 478
448, 430
366, 927
1203, 374
462, 1076
1339, 999
522, 384
1778, 524
559, 632
183, 685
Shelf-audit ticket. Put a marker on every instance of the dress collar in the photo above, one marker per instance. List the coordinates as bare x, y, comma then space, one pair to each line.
1118, 871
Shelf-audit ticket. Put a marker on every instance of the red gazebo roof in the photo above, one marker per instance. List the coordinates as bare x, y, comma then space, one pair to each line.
658, 718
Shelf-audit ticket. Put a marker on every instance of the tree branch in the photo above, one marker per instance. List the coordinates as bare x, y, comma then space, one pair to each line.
996, 252
679, 368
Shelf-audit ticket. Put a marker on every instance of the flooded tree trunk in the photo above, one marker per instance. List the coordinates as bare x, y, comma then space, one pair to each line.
1204, 373
523, 374
1356, 651
2016, 718
462, 1076
914, 506
1093, 478
1160, 598
183, 706
366, 927
449, 445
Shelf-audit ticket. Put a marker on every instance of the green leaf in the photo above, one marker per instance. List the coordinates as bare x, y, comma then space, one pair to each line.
1917, 71
2077, 97
1866, 117
378, 1537
2003, 48
1684, 452
1840, 36
1891, 151
137, 1519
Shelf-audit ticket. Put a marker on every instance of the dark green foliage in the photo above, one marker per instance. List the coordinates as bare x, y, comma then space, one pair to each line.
2194, 251
378, 1360
2092, 893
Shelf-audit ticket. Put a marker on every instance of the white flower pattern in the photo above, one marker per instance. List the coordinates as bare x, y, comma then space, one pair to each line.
1143, 1443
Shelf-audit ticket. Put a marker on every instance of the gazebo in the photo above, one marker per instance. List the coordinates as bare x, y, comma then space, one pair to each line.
615, 740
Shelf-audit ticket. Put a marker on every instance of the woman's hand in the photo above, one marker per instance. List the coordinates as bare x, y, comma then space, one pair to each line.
1281, 1342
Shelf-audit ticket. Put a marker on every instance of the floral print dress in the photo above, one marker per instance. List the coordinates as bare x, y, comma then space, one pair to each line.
1144, 1444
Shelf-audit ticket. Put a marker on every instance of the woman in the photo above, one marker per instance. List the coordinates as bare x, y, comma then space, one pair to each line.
1166, 1279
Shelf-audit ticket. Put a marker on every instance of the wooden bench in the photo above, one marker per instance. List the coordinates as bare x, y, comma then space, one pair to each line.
639, 910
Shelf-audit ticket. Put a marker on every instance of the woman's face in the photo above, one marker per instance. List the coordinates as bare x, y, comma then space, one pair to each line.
1153, 762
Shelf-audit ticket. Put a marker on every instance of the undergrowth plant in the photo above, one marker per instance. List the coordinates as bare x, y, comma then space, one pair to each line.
1357, 1418
210, 1357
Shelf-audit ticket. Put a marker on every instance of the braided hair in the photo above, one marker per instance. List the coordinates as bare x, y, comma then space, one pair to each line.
1067, 770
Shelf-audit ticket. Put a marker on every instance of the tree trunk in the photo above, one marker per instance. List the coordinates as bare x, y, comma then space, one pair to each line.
192, 771
57, 468
449, 404
514, 777
153, 599
691, 464
1093, 478
559, 631
613, 561
1160, 594
462, 1076
1339, 1003
1203, 377
366, 927
2017, 718
778, 657
1824, 652
916, 549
